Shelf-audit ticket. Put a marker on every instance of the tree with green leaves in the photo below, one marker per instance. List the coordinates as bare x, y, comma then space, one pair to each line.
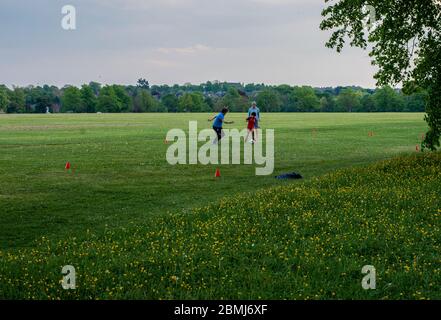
71, 100
416, 102
404, 39
108, 101
144, 102
88, 99
17, 101
268, 100
170, 102
233, 100
192, 102
143, 84
43, 103
304, 99
124, 99
96, 87
284, 91
348, 100
388, 100
367, 103
4, 98
327, 102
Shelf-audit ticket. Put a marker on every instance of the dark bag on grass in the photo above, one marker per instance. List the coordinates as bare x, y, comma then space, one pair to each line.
290, 176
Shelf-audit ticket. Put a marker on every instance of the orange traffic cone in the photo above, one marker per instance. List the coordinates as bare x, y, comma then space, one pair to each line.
218, 174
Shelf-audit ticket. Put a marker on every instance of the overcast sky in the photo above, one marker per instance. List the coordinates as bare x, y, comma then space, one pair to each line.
173, 41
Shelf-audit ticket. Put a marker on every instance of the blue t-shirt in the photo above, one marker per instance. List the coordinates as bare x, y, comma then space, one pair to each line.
256, 110
218, 122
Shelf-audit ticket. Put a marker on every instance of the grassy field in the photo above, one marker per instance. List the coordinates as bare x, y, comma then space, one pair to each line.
137, 227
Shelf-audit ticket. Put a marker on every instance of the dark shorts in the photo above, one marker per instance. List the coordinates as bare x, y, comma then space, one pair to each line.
218, 132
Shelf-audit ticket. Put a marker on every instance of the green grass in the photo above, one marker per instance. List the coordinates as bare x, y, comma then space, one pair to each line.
306, 241
122, 175
129, 221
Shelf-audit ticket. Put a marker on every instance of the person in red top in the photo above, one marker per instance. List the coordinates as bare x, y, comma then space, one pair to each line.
252, 127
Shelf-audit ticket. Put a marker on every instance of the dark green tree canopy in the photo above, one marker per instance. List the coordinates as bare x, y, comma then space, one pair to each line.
93, 97
404, 39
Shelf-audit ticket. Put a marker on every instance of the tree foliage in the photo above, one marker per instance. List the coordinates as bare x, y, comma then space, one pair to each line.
4, 99
209, 97
71, 100
404, 39
269, 101
192, 102
304, 99
17, 101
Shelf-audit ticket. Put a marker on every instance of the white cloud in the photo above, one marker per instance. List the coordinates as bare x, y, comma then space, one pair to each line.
186, 50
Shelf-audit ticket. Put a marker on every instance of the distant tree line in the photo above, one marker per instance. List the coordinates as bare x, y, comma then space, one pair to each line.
207, 97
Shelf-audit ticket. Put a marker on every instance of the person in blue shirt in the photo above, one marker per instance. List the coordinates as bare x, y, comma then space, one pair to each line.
256, 110
219, 121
